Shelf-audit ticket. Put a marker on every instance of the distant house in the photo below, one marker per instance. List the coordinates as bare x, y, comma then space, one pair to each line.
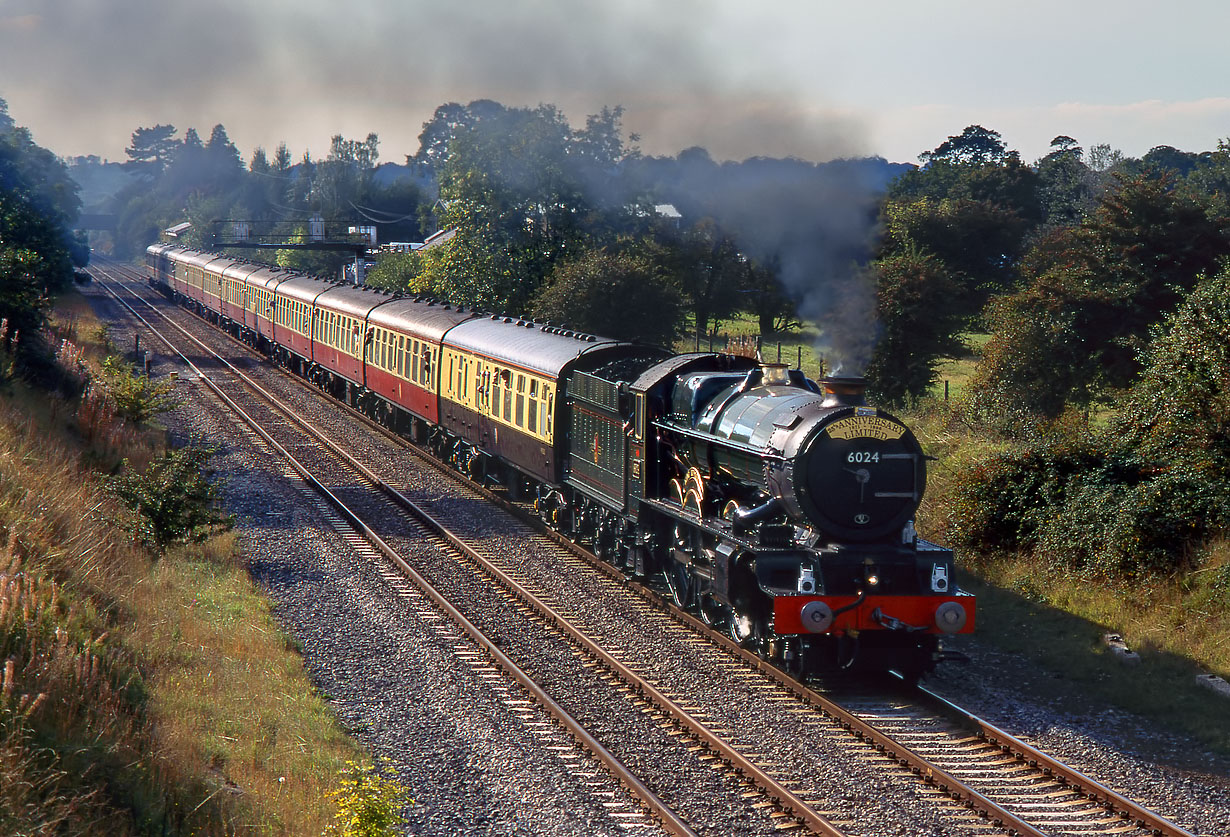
438, 238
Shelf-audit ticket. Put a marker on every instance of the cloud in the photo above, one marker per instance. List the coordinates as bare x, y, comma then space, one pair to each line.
20, 23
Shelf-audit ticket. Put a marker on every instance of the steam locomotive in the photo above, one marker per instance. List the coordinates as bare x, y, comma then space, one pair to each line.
777, 509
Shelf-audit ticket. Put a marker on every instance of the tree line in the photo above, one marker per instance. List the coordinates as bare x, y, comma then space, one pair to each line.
38, 250
569, 225
1102, 286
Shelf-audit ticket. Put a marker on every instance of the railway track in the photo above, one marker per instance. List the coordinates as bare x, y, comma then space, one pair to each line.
1006, 786
315, 454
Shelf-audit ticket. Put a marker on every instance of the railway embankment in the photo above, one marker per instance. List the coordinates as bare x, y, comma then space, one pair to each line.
142, 690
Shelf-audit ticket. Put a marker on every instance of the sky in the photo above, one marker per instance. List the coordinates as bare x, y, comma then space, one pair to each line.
815, 80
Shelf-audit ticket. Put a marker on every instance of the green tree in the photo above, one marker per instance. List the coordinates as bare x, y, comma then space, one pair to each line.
152, 149
1064, 183
448, 121
710, 270
975, 165
1144, 494
625, 295
918, 325
954, 235
344, 176
976, 146
282, 159
765, 297
1211, 177
507, 189
38, 200
1180, 408
939, 263
397, 272
1096, 291
137, 397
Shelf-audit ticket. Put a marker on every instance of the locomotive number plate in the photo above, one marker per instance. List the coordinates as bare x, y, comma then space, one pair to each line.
865, 427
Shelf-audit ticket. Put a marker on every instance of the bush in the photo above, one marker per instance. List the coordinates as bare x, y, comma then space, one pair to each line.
137, 397
999, 504
368, 805
1144, 495
175, 498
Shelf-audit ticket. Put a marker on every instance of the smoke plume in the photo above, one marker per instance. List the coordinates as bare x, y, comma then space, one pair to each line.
818, 224
691, 72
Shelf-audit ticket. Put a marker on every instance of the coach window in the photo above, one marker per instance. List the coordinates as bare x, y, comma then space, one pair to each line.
520, 422
550, 411
506, 380
533, 417
426, 365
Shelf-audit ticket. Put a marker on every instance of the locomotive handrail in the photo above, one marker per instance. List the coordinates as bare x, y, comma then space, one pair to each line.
730, 443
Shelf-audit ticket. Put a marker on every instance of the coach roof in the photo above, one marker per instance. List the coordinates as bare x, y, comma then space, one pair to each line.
425, 319
528, 345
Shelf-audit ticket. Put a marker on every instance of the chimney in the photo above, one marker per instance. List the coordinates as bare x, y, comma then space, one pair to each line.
844, 392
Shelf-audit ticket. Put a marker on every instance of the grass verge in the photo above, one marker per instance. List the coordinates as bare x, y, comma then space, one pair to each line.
140, 693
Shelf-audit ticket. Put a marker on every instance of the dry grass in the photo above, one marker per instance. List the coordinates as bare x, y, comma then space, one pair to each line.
137, 695
229, 693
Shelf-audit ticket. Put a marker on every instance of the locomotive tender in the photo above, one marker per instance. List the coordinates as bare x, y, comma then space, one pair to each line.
779, 510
